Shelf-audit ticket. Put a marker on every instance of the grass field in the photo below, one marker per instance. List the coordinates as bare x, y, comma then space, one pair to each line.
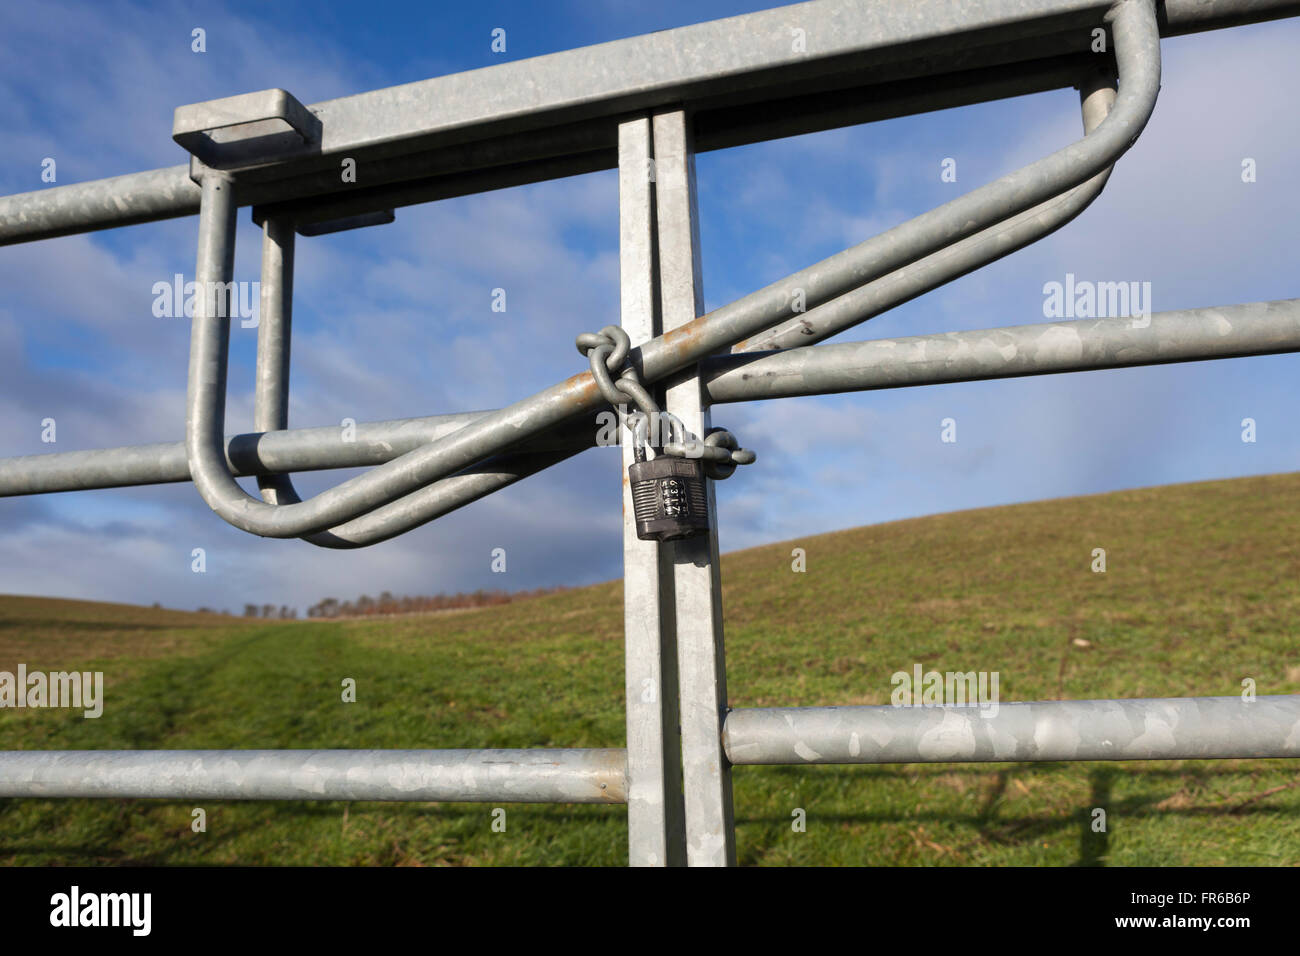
1202, 589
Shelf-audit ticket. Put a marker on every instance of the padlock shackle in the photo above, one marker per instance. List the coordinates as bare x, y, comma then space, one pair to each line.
641, 430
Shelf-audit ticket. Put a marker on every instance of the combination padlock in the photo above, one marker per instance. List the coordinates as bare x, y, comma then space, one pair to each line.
669, 497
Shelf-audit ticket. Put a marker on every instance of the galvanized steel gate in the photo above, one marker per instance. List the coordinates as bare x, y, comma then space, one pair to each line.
642, 104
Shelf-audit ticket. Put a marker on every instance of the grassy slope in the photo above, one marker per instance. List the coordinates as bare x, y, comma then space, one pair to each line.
1202, 589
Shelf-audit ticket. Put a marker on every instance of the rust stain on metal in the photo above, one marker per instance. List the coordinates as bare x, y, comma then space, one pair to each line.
581, 391
683, 342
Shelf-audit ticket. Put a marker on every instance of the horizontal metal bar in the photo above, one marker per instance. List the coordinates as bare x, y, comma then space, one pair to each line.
702, 63
1187, 335
1181, 17
259, 453
562, 105
1234, 331
689, 64
1169, 728
441, 173
99, 204
508, 161
479, 776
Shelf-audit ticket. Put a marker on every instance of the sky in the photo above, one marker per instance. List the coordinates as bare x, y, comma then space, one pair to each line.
396, 321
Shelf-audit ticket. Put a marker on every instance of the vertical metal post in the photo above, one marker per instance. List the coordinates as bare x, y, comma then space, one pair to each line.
710, 827
275, 317
654, 769
210, 327
275, 322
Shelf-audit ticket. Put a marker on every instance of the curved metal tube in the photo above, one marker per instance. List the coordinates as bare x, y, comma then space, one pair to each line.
1097, 96
442, 497
271, 413
1137, 51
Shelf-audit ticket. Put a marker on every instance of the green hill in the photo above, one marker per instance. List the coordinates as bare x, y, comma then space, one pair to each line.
1201, 590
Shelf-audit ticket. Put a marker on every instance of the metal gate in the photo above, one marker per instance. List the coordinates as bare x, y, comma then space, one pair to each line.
646, 105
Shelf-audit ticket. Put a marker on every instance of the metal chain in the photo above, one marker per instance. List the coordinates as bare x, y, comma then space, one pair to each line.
607, 351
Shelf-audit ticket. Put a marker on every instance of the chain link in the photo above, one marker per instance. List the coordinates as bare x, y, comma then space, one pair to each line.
606, 352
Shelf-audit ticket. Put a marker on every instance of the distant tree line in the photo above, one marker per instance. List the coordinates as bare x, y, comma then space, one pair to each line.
285, 613
387, 603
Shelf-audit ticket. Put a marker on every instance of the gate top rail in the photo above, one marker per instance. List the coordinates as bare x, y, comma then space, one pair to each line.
551, 115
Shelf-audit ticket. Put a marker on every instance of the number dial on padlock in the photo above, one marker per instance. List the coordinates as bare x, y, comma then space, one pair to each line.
669, 498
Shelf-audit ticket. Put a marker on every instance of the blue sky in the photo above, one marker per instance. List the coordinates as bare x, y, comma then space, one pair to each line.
396, 321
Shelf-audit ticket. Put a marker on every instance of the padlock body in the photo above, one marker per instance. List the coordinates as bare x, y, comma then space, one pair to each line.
669, 498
